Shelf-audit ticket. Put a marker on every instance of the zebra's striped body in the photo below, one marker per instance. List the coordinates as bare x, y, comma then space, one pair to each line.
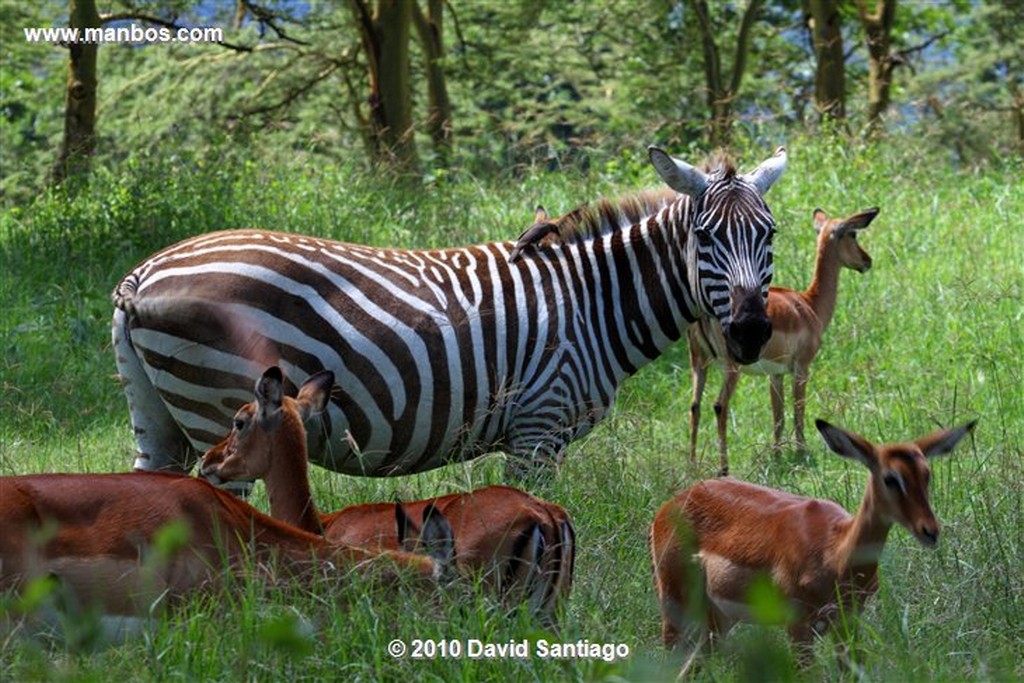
439, 355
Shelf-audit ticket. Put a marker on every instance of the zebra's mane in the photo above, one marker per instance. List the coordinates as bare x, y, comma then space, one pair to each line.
720, 163
607, 215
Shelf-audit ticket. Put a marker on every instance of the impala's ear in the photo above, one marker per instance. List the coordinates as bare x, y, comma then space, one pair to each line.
408, 532
436, 536
314, 393
540, 214
857, 221
679, 175
820, 219
848, 444
944, 440
269, 393
765, 175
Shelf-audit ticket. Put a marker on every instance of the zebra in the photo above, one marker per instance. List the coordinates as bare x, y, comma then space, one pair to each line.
443, 355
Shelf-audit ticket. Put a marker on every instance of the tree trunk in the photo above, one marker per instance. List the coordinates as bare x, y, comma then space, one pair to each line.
79, 140
385, 37
1017, 110
720, 95
878, 29
429, 26
830, 70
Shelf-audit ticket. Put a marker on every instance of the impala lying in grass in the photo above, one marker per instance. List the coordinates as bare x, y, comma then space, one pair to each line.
711, 541
799, 321
94, 534
523, 547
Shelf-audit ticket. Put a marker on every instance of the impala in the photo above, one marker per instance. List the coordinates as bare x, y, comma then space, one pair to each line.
713, 539
522, 546
799, 321
94, 534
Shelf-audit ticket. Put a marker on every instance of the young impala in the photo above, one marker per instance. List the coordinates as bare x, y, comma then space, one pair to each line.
713, 539
799, 321
94, 534
524, 547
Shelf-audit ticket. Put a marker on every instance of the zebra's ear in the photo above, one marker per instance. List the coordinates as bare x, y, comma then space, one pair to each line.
314, 393
765, 175
678, 175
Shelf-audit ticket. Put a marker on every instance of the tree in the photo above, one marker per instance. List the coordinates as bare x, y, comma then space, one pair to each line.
721, 92
429, 26
881, 64
385, 36
79, 141
830, 62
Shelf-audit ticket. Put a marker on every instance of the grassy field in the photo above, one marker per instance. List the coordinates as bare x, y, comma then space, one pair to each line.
932, 336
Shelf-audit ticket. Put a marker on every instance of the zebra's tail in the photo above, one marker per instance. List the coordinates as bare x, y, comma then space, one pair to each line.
123, 295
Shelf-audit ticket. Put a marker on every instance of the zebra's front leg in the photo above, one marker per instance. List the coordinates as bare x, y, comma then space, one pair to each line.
541, 461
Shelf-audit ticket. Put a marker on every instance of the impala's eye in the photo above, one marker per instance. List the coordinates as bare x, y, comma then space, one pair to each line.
239, 424
894, 482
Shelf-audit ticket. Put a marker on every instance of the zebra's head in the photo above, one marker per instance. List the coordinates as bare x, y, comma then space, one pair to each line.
729, 244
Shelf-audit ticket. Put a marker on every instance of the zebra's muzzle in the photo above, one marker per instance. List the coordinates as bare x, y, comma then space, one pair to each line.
749, 330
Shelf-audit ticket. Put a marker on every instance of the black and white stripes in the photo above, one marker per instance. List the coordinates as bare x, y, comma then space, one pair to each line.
439, 355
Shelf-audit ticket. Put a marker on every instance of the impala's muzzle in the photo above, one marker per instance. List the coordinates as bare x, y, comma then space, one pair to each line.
749, 329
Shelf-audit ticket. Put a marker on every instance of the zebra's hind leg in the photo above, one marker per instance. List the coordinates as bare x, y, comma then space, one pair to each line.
162, 446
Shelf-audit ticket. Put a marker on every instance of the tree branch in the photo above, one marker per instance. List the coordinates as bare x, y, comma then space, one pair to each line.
149, 19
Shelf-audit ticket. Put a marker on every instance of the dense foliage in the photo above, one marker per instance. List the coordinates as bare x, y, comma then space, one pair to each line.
555, 83
554, 103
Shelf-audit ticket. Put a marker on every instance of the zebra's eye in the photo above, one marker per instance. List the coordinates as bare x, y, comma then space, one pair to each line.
703, 237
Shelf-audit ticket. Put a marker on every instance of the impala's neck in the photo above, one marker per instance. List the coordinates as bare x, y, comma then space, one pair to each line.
861, 544
291, 499
824, 287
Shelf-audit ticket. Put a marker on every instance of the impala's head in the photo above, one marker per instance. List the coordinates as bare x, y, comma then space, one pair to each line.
433, 536
729, 244
900, 474
267, 429
840, 236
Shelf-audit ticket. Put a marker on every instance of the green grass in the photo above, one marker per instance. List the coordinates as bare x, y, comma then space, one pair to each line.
932, 335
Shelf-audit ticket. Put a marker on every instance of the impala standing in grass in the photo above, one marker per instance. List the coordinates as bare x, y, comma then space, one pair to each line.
799, 321
710, 542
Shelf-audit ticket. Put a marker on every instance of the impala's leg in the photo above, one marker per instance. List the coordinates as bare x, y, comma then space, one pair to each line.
802, 634
778, 411
698, 375
732, 376
799, 401
679, 582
